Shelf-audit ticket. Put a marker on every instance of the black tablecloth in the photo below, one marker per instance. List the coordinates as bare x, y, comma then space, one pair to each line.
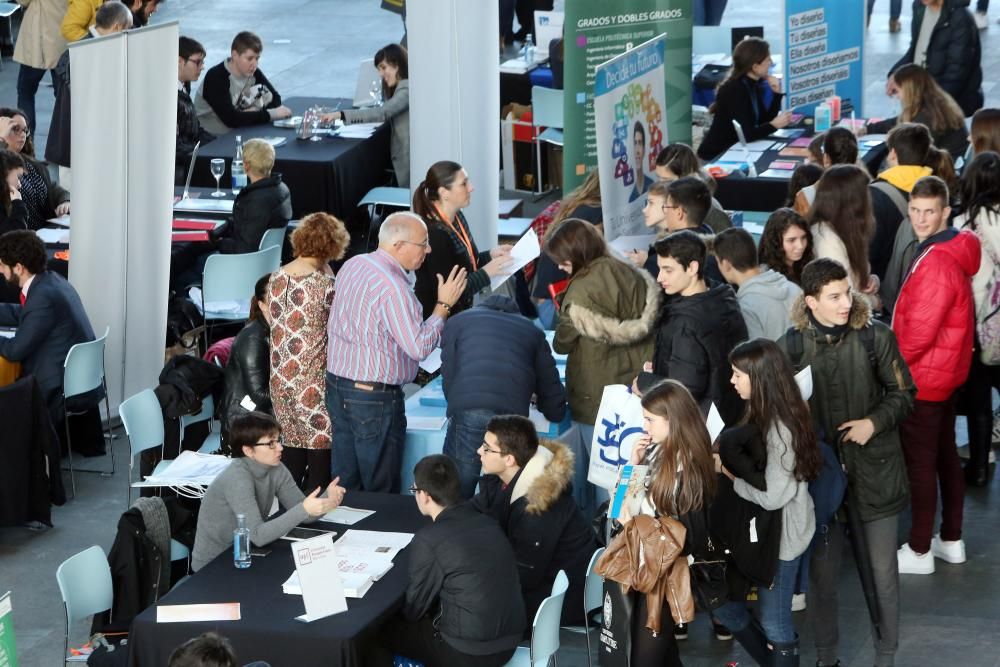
331, 175
769, 194
267, 629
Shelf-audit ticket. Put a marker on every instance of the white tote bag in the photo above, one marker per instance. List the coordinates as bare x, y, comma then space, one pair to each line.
618, 427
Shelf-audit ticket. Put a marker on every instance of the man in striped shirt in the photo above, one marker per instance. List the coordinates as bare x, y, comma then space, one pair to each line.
376, 340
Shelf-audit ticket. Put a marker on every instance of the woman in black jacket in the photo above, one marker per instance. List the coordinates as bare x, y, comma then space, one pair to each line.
741, 98
247, 379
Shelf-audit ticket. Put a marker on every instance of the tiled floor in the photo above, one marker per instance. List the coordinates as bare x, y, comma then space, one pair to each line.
949, 618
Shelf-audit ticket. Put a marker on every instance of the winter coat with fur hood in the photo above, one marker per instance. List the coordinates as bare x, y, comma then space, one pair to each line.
846, 386
606, 329
545, 527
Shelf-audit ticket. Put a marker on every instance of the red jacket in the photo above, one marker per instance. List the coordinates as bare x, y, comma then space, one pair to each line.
934, 319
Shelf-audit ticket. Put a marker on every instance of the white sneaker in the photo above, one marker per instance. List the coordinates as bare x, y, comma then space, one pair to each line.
798, 602
981, 21
910, 562
950, 552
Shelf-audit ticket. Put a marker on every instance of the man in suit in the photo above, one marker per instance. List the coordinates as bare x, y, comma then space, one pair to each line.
50, 318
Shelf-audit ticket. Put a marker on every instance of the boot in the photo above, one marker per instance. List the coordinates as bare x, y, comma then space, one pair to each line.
753, 641
785, 654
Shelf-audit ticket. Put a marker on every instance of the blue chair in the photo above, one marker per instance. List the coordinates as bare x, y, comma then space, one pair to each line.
83, 372
85, 585
547, 112
593, 591
212, 443
273, 237
143, 421
379, 201
232, 278
544, 630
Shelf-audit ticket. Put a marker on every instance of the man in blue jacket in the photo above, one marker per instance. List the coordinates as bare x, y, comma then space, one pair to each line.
493, 360
50, 318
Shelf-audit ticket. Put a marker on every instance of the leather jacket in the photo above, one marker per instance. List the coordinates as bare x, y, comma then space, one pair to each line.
248, 372
647, 556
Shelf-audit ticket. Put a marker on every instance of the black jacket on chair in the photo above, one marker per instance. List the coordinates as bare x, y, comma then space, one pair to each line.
260, 206
463, 573
248, 372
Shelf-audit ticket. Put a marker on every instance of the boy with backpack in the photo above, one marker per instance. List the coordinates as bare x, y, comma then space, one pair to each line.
862, 390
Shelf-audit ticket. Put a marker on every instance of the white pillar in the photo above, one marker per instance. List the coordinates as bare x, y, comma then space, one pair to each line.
455, 99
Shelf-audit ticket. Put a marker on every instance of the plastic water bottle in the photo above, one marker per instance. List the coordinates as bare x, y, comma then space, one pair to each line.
823, 118
241, 543
529, 50
239, 175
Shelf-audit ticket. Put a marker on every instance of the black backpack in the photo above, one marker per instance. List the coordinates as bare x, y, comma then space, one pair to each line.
183, 317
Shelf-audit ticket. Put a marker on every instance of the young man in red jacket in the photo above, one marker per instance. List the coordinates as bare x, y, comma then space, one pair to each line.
934, 324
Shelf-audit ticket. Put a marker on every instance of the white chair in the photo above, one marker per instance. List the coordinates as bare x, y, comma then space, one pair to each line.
547, 112
232, 278
212, 442
593, 590
83, 372
143, 421
544, 630
273, 237
379, 201
85, 585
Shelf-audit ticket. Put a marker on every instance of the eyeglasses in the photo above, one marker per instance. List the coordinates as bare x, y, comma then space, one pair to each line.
486, 448
414, 489
270, 444
425, 244
20, 129
198, 62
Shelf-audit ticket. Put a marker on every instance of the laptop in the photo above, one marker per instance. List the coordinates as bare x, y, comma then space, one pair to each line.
207, 205
187, 181
366, 74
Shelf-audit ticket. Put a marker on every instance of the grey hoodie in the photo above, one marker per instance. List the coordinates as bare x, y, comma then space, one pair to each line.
766, 301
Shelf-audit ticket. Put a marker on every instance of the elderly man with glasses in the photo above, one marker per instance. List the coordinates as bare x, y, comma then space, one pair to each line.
249, 487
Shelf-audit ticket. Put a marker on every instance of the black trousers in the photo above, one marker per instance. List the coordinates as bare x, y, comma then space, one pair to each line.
660, 650
310, 468
420, 641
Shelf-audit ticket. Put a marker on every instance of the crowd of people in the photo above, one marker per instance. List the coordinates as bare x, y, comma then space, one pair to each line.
884, 285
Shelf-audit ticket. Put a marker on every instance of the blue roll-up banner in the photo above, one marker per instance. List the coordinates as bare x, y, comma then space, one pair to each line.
824, 52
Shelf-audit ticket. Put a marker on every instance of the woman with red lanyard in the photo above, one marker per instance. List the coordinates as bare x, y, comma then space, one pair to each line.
439, 200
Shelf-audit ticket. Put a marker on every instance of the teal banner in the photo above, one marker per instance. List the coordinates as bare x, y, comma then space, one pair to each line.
597, 31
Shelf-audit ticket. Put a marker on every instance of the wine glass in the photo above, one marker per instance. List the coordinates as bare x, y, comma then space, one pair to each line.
375, 90
218, 169
314, 122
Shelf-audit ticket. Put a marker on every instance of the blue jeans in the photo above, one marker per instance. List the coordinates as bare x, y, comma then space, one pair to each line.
896, 7
28, 79
369, 429
774, 606
709, 12
461, 444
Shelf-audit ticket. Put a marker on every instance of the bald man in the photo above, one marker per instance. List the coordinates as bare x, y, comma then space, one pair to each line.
377, 338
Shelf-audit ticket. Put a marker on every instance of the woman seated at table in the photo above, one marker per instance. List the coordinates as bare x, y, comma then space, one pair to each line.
249, 486
924, 101
248, 371
677, 161
439, 200
741, 97
42, 198
391, 61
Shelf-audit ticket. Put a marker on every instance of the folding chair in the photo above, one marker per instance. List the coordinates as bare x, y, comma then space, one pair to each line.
232, 278
85, 585
143, 420
544, 630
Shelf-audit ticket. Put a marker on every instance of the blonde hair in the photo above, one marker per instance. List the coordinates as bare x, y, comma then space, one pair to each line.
259, 156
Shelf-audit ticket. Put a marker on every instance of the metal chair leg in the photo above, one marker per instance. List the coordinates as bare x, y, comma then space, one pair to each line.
69, 447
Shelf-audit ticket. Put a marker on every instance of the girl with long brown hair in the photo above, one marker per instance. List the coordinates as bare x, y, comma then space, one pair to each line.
682, 483
924, 101
985, 132
786, 244
842, 223
740, 98
763, 377
439, 200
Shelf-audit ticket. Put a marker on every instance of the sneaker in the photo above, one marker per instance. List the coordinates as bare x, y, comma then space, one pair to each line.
981, 21
910, 562
895, 25
949, 552
799, 602
722, 633
681, 631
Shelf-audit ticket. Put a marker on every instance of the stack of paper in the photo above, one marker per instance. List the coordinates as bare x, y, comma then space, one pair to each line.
359, 569
386, 545
358, 130
190, 468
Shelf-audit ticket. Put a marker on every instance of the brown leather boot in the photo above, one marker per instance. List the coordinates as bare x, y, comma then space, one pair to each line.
894, 25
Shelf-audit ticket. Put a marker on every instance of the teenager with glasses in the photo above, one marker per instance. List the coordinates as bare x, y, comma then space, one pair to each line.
249, 487
190, 63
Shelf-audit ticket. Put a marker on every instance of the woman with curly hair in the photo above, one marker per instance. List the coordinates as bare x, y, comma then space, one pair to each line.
786, 244
299, 298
